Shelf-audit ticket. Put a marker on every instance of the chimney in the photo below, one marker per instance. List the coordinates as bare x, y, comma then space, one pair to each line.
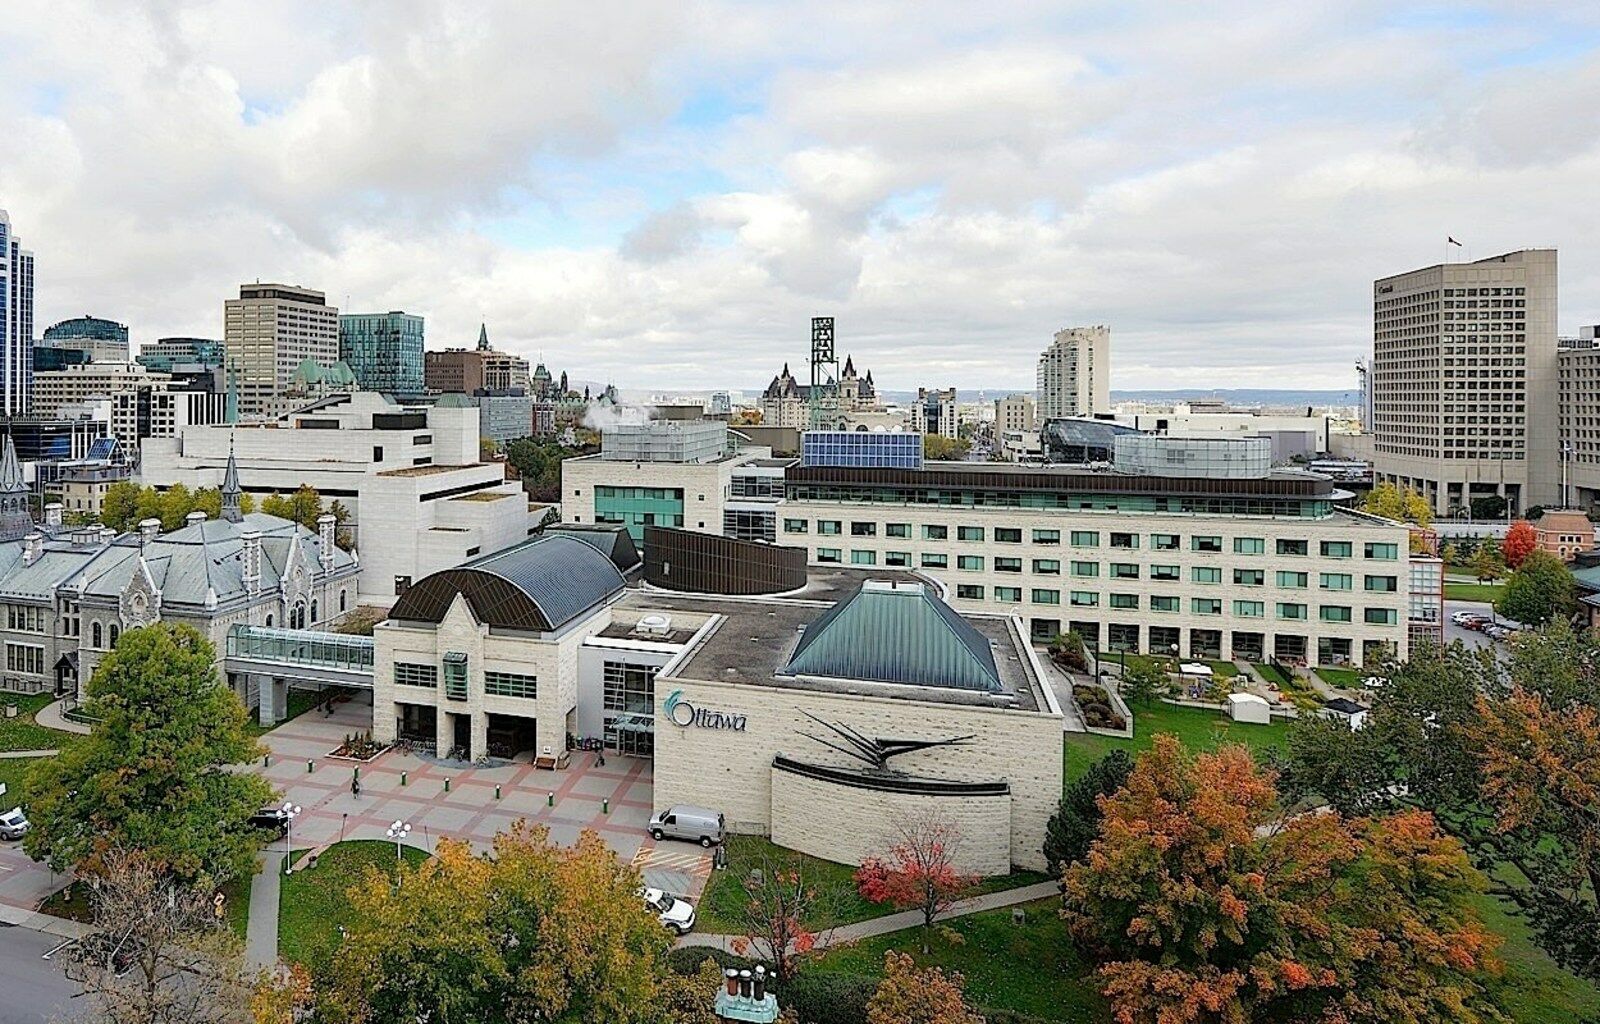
325, 535
52, 514
107, 534
194, 518
148, 529
32, 547
250, 560
744, 998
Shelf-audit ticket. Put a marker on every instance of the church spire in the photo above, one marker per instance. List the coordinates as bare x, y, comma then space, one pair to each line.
16, 521
483, 337
232, 493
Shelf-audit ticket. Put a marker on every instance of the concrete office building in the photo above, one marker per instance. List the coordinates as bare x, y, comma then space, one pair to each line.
54, 390
166, 354
934, 412
269, 331
1074, 377
383, 350
163, 409
504, 417
94, 339
478, 369
1464, 389
1015, 412
16, 322
1578, 408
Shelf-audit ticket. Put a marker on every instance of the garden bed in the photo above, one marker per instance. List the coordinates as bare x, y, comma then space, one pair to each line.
1102, 711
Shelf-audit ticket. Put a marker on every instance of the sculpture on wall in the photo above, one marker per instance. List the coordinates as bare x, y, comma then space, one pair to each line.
872, 750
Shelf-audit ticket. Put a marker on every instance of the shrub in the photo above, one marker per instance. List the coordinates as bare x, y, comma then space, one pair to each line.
829, 998
686, 960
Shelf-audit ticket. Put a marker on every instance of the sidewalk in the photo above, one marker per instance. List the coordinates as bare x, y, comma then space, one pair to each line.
34, 921
19, 754
50, 717
903, 920
261, 934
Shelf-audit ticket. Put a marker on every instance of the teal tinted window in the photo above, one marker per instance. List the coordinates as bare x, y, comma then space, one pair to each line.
638, 507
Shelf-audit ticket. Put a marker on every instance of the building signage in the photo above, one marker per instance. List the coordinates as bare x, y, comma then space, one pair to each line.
681, 713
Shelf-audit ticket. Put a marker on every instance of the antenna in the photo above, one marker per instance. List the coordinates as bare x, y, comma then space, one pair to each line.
823, 396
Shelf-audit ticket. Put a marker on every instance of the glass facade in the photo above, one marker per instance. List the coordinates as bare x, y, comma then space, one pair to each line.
638, 507
349, 653
383, 350
861, 448
629, 706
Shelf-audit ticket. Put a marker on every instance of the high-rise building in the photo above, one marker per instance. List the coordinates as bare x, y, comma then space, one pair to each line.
1464, 391
90, 338
1075, 373
16, 321
269, 330
934, 412
384, 350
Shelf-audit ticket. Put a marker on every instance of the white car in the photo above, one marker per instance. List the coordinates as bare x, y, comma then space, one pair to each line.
14, 824
674, 912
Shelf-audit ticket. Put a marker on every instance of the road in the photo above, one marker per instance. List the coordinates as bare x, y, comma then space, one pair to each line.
32, 990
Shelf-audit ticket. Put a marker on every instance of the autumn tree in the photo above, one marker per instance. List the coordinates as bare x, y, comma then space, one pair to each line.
782, 907
158, 773
1072, 828
1203, 905
1520, 541
919, 872
1540, 590
945, 449
1144, 682
1487, 563
912, 995
1405, 506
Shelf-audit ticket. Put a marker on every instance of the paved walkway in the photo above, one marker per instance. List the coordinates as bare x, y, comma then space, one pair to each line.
50, 716
33, 920
19, 754
261, 935
906, 919
1061, 685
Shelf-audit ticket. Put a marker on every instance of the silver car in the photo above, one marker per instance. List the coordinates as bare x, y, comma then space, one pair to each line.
681, 821
14, 824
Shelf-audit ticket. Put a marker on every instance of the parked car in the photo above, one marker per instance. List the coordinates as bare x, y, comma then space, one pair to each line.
675, 913
1462, 618
270, 819
1476, 622
14, 824
681, 821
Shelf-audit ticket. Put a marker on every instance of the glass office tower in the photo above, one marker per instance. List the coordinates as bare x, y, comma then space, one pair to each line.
384, 350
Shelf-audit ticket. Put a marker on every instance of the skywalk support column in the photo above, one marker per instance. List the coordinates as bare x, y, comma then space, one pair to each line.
274, 700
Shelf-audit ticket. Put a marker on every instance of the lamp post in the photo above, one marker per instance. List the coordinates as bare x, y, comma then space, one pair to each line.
398, 832
291, 811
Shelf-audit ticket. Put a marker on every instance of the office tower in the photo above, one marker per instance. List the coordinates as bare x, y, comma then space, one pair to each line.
1463, 381
16, 321
384, 350
1015, 412
84, 339
269, 330
934, 412
1075, 373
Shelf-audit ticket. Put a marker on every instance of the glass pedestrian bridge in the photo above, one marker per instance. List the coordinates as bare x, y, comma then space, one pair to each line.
340, 658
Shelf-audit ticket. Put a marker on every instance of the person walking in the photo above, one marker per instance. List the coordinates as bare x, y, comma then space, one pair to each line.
355, 785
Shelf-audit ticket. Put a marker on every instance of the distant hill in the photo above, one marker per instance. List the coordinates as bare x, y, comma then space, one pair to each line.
1242, 396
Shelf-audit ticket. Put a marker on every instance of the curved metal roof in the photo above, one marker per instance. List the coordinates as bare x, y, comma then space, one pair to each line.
540, 585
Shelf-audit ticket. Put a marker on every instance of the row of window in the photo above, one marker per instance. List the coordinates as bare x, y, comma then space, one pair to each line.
24, 618
25, 658
495, 684
1168, 603
1091, 539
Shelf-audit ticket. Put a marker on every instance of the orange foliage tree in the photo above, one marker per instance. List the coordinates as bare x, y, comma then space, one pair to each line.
1203, 906
1520, 542
907, 995
780, 905
919, 871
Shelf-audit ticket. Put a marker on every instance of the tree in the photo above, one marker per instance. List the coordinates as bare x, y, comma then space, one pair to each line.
919, 870
1350, 770
532, 931
488, 448
1451, 553
1405, 506
538, 464
1488, 507
944, 449
1540, 590
907, 995
120, 506
1521, 540
1071, 830
1487, 563
304, 506
126, 504
781, 904
1144, 681
1203, 905
156, 773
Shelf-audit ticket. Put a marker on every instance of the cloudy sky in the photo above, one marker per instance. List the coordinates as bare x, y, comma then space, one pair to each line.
664, 193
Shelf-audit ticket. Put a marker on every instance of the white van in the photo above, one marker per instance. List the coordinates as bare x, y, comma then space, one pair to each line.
681, 821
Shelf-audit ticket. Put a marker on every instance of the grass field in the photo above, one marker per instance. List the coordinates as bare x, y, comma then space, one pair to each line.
1198, 728
313, 903
22, 732
11, 771
1346, 678
1534, 988
1487, 592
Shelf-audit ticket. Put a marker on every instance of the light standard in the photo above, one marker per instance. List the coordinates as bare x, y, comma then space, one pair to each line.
398, 831
290, 812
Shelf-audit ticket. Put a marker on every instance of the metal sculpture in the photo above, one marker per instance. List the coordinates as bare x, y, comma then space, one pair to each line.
876, 751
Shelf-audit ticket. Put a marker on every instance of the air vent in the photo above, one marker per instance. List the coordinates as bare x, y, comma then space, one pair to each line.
653, 625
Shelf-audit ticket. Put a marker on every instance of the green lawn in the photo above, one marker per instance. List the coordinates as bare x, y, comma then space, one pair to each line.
72, 903
11, 772
1198, 728
1273, 674
313, 902
1346, 678
721, 906
22, 732
1534, 988
1031, 969
1473, 591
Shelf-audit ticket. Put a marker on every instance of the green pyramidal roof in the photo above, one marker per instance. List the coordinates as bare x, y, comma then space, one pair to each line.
896, 633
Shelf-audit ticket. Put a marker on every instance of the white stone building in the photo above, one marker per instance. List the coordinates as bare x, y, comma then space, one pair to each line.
1074, 377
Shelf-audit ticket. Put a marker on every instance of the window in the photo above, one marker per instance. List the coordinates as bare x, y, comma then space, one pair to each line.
1335, 549
313, 609
341, 600
24, 619
510, 684
795, 526
1125, 601
1124, 571
1125, 540
455, 675
1249, 546
1047, 566
1293, 547
401, 585
1382, 584
858, 557
829, 527
1079, 597
936, 533
1169, 573
1291, 611
934, 561
409, 674
1085, 568
25, 658
898, 559
969, 592
629, 699
1047, 536
1161, 603
1249, 577
1381, 616
972, 563
1249, 609
1206, 574
1335, 581
116, 631
863, 529
1211, 545
1387, 552
1010, 595
377, 453
900, 530
1164, 541
1008, 535
969, 533
1334, 613
1293, 580
1206, 605
1008, 565
1085, 538
829, 556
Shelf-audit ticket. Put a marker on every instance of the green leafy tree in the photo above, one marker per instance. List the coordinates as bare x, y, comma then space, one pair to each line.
1489, 507
1487, 562
1144, 682
945, 449
1539, 591
538, 464
119, 508
304, 506
157, 773
1072, 829
1327, 760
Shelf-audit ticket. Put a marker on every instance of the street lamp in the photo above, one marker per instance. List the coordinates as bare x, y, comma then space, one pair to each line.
291, 811
398, 831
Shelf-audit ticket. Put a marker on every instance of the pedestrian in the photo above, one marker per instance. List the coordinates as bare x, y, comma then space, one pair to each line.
355, 786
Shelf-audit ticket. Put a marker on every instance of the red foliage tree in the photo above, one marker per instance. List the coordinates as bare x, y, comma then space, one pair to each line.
781, 904
1520, 542
919, 871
